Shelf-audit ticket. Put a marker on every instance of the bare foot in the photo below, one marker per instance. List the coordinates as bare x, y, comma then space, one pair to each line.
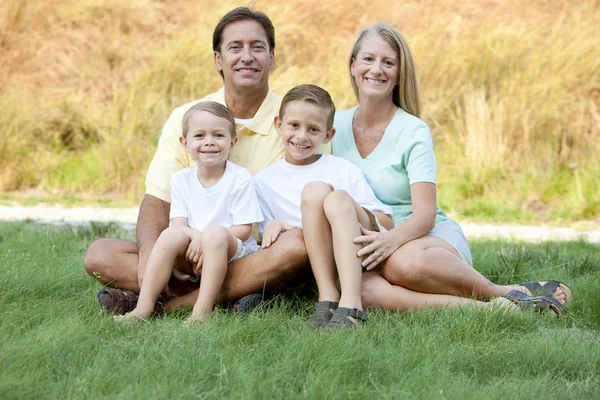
131, 318
193, 320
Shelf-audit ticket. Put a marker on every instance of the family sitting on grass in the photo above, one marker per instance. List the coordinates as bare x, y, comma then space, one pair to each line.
363, 219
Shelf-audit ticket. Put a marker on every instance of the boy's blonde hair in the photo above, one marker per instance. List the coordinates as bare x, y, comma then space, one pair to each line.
311, 94
406, 92
216, 109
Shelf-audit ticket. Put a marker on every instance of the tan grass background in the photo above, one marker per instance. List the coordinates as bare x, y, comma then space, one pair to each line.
511, 90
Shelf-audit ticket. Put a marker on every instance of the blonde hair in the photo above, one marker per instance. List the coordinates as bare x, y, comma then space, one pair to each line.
216, 109
406, 92
312, 94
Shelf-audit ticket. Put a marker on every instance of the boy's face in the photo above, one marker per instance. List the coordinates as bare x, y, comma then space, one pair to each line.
208, 139
303, 129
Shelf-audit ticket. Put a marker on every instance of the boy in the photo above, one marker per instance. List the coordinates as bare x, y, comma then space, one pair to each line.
326, 196
213, 207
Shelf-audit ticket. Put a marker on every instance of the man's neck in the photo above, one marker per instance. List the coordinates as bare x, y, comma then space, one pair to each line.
244, 104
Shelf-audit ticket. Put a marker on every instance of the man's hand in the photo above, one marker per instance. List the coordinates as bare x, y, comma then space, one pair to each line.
272, 231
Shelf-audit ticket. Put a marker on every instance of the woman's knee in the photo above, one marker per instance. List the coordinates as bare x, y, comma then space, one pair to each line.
402, 267
339, 203
314, 193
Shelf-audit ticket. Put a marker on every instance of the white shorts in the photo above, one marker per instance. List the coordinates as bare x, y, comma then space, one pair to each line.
242, 251
456, 238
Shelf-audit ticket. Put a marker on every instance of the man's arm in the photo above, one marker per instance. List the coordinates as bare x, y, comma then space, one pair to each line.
153, 218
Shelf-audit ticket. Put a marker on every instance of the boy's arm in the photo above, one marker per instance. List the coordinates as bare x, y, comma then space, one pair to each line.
273, 229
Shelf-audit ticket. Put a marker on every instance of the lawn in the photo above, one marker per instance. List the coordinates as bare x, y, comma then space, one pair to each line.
56, 343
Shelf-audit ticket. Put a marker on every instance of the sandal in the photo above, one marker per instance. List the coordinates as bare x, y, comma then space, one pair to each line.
322, 313
537, 304
122, 301
342, 319
547, 289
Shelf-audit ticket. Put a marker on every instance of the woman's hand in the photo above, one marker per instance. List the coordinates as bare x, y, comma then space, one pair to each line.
380, 245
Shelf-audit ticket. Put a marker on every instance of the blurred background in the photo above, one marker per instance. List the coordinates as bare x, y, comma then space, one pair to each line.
510, 89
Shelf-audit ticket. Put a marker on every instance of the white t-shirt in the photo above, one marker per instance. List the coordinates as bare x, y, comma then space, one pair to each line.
279, 187
231, 201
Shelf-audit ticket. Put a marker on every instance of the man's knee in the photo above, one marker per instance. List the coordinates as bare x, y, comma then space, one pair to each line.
289, 255
95, 256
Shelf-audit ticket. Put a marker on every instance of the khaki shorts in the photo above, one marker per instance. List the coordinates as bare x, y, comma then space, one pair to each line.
377, 227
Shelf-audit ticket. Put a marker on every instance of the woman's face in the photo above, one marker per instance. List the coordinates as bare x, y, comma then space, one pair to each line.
375, 68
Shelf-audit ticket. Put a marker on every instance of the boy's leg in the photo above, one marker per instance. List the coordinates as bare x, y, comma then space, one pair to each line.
218, 246
172, 243
344, 216
318, 239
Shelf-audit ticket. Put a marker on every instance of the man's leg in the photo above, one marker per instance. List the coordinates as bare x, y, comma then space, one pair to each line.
265, 270
113, 262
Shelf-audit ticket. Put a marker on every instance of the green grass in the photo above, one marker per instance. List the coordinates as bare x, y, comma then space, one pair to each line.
56, 343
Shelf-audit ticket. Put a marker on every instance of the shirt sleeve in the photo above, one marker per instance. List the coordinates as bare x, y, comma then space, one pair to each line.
169, 158
419, 157
178, 205
245, 207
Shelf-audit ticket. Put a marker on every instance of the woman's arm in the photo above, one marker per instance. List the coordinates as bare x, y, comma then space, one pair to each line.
381, 245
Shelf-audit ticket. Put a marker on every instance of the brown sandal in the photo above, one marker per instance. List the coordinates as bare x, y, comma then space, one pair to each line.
122, 301
342, 319
322, 313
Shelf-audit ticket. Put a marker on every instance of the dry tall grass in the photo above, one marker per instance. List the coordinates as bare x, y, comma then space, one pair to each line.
511, 89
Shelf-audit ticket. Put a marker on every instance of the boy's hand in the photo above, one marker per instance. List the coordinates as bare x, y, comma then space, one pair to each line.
194, 250
272, 231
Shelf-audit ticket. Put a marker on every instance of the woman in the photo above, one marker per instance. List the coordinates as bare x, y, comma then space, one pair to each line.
425, 261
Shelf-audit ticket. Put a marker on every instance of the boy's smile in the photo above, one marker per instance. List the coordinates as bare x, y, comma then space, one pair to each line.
303, 129
208, 139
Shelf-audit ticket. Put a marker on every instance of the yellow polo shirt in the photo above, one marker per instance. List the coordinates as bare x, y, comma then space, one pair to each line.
258, 144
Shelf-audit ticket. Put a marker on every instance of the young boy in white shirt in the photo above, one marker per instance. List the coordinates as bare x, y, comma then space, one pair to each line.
213, 207
328, 197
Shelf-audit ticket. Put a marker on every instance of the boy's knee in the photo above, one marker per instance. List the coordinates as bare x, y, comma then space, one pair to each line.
215, 235
338, 202
314, 193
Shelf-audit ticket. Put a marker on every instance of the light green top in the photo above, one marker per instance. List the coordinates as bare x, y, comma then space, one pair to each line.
403, 157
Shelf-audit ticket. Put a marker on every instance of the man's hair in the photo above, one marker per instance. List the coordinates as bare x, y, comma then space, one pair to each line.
216, 109
311, 94
243, 14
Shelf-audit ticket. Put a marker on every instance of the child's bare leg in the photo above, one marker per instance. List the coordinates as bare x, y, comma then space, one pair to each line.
218, 246
171, 243
318, 239
344, 215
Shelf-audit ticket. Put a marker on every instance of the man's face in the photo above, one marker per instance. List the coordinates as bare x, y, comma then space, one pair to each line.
245, 58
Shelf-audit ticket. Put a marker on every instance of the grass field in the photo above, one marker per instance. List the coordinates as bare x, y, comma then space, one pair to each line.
56, 343
511, 91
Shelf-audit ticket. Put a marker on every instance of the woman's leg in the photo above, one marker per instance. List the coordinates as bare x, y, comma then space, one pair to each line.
218, 246
344, 216
379, 293
171, 243
431, 265
318, 239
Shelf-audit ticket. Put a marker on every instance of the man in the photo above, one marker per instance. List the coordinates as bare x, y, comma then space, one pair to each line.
243, 45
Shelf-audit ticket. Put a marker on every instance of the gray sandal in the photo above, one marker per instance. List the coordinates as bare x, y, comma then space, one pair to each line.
322, 313
341, 319
537, 304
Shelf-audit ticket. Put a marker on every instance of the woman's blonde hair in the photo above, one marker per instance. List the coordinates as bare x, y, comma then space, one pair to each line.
406, 91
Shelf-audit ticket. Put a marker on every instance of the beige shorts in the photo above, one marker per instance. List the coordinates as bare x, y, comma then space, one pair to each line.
377, 227
242, 251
